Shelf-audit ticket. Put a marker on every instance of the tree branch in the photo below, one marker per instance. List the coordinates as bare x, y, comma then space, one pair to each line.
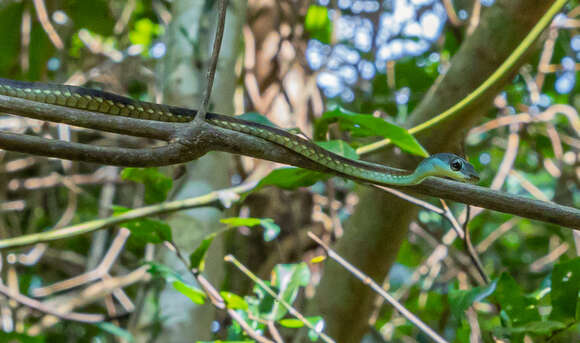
189, 142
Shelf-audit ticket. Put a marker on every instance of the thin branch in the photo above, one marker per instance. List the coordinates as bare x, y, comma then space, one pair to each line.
215, 297
37, 305
217, 44
287, 306
379, 290
42, 16
211, 199
92, 120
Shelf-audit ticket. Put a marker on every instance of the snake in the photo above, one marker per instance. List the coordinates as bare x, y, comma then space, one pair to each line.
445, 165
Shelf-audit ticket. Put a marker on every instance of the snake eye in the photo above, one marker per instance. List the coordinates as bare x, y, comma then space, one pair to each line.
456, 165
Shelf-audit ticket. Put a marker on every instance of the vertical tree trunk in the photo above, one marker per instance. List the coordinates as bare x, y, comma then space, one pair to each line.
184, 77
375, 232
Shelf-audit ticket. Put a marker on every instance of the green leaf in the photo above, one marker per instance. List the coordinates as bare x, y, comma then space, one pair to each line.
290, 178
193, 293
157, 185
20, 338
164, 272
339, 147
116, 331
234, 301
460, 300
238, 221
255, 117
565, 288
291, 323
144, 32
145, 230
318, 324
519, 308
317, 23
174, 278
271, 230
364, 125
288, 278
197, 258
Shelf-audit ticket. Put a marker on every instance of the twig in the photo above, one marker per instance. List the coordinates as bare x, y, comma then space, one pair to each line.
379, 290
210, 199
223, 6
47, 25
291, 310
37, 305
471, 250
215, 297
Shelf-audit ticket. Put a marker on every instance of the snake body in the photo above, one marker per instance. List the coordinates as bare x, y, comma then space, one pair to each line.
442, 165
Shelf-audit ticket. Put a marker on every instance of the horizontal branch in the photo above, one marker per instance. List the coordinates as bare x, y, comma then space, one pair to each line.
165, 155
87, 119
189, 142
502, 202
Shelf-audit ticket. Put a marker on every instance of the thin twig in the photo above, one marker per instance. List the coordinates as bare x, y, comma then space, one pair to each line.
37, 305
287, 306
47, 25
378, 289
471, 250
211, 199
215, 297
223, 6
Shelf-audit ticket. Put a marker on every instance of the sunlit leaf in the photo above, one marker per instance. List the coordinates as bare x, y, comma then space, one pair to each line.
197, 257
365, 125
317, 23
234, 301
193, 293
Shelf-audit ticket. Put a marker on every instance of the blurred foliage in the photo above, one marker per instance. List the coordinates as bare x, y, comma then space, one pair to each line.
521, 302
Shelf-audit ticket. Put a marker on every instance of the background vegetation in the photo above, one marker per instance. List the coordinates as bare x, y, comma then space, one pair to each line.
205, 244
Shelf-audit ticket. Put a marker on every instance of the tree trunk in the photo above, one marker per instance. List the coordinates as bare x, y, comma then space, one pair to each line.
375, 232
184, 77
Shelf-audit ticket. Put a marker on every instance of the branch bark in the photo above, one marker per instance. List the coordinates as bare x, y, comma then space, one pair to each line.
189, 142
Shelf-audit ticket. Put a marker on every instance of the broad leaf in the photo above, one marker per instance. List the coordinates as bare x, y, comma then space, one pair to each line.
197, 258
364, 125
460, 300
519, 308
157, 185
146, 230
288, 278
339, 147
234, 301
193, 293
565, 288
291, 178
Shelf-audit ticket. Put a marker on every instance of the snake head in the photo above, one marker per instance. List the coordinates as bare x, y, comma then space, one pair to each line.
450, 166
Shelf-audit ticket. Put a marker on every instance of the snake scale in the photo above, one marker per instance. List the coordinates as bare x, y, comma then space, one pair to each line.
440, 165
